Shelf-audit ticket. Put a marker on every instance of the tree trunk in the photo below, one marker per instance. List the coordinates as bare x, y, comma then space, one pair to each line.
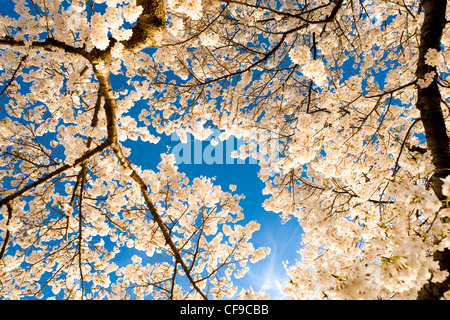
150, 27
429, 104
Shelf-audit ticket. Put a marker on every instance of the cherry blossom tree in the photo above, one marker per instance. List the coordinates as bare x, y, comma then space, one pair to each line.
343, 103
71, 199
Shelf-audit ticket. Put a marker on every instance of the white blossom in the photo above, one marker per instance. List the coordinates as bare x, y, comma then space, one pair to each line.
433, 57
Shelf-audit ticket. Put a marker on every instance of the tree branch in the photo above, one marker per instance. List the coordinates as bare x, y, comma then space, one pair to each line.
429, 98
429, 105
47, 43
110, 107
22, 60
8, 233
150, 27
329, 18
89, 154
396, 166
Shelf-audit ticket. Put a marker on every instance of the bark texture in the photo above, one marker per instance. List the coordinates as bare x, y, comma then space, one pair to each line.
150, 27
429, 98
435, 291
429, 104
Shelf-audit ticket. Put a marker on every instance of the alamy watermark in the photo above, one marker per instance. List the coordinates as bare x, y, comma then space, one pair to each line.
230, 151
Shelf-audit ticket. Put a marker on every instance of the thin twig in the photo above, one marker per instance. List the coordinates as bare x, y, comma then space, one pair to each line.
397, 167
8, 233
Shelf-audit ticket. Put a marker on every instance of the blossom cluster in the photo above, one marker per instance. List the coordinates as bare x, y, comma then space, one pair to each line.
99, 32
429, 78
313, 69
300, 54
192, 8
112, 21
209, 39
433, 57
